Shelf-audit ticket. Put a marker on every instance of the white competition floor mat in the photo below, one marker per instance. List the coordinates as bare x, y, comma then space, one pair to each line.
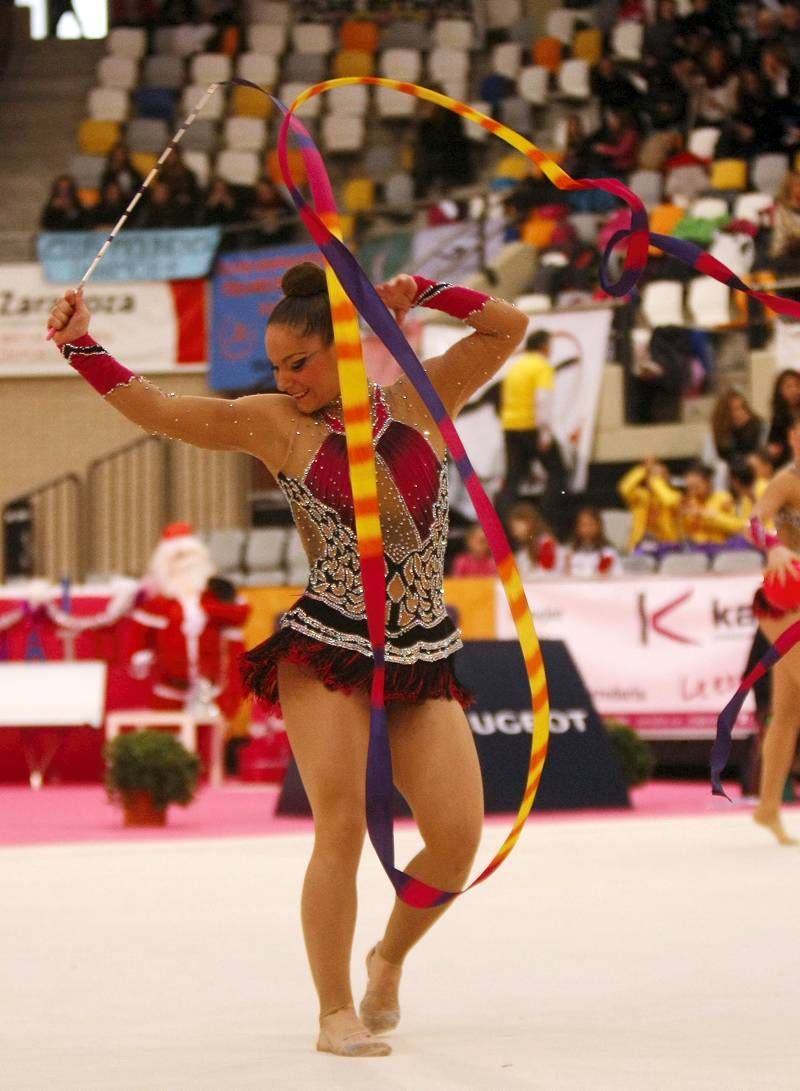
605, 955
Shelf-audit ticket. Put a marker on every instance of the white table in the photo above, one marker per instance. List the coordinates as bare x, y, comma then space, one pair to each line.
142, 718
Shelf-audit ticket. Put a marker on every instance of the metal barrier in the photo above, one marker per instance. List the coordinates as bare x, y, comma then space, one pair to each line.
45, 531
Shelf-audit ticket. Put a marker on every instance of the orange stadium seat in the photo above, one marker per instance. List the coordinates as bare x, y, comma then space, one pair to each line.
360, 34
353, 62
296, 165
88, 196
97, 137
547, 53
247, 102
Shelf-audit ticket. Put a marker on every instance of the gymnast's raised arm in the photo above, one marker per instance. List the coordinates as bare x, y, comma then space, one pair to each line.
257, 424
471, 362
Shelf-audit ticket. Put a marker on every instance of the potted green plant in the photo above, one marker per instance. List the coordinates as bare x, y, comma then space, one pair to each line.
148, 770
634, 754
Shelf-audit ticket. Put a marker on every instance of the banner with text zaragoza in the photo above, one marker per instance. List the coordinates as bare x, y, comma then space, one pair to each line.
660, 653
149, 326
156, 254
247, 286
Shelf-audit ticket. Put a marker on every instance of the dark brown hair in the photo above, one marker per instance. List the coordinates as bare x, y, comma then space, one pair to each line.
305, 305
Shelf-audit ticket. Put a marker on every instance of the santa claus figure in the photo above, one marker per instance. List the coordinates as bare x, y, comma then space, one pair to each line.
188, 629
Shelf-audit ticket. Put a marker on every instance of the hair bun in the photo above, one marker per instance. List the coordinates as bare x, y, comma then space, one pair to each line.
304, 279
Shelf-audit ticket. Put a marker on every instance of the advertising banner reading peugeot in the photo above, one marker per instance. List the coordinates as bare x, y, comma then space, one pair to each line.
661, 653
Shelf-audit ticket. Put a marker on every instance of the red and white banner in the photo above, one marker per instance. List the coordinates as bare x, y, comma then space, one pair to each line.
147, 325
660, 653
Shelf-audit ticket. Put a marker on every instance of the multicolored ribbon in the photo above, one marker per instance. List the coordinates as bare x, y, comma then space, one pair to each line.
349, 289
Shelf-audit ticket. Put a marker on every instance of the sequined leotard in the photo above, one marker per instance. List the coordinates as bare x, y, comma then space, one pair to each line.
326, 628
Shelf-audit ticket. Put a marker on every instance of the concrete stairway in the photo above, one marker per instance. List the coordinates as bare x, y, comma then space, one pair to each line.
42, 101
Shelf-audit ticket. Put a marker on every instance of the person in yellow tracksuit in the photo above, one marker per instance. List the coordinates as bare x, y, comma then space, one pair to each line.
707, 517
652, 502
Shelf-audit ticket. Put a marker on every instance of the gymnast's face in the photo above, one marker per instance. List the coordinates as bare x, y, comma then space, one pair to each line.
304, 367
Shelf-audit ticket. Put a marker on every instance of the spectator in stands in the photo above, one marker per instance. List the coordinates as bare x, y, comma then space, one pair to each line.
111, 206
476, 559
736, 429
64, 210
220, 205
763, 469
611, 85
790, 31
184, 187
161, 210
590, 553
707, 517
442, 150
274, 218
526, 416
646, 491
664, 104
785, 411
742, 485
577, 158
617, 149
716, 89
781, 78
119, 169
536, 550
785, 244
755, 125
662, 37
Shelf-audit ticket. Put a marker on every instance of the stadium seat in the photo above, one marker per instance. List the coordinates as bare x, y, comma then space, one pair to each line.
358, 195
342, 135
119, 72
648, 186
312, 37
587, 45
278, 12
260, 68
398, 191
200, 165
380, 160
453, 34
708, 208
247, 102
573, 79
87, 170
534, 303
687, 182
472, 129
662, 303
405, 34
393, 105
512, 165
298, 572
353, 62
560, 23
163, 71
445, 63
754, 207
506, 59
214, 107
360, 34
244, 134
702, 142
97, 137
522, 31
501, 14
532, 84
306, 68
226, 547
351, 100
617, 524
586, 225
296, 164
708, 303
163, 40
729, 174
401, 64
238, 168
107, 104
516, 113
144, 134
683, 564
494, 88
127, 42
203, 135
155, 102
547, 53
269, 38
144, 162
638, 564
210, 68
626, 41
729, 561
189, 38
265, 549
311, 107
456, 87
767, 173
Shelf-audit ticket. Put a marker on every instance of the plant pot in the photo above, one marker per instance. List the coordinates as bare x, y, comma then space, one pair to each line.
140, 810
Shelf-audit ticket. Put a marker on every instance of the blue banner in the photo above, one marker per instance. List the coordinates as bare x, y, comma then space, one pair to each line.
156, 254
246, 286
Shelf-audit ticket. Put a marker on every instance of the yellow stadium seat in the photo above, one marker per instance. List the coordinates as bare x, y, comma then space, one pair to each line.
587, 45
296, 165
513, 166
547, 53
247, 102
358, 195
353, 62
729, 174
347, 225
360, 34
97, 137
89, 197
144, 162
